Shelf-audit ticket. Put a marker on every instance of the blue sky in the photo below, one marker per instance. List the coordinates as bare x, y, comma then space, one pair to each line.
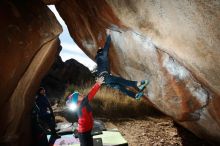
69, 47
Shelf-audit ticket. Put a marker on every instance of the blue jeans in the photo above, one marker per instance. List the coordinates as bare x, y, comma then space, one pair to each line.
120, 84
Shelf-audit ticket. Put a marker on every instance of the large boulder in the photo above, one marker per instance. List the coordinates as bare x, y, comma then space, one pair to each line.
174, 44
28, 46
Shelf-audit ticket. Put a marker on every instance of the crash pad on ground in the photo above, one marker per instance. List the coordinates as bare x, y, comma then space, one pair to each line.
108, 138
112, 138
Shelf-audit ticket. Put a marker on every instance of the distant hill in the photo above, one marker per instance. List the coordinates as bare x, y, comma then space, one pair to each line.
63, 74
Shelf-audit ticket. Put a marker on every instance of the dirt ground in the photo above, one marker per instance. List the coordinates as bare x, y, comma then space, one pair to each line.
151, 131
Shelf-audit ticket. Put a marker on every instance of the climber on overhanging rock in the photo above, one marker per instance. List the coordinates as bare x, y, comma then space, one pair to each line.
113, 81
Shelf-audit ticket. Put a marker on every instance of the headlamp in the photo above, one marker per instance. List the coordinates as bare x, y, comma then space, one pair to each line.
72, 106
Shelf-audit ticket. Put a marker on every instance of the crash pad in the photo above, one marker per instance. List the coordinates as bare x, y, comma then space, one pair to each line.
70, 140
112, 138
107, 138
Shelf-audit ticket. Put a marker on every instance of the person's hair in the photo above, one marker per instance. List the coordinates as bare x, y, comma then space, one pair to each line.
39, 90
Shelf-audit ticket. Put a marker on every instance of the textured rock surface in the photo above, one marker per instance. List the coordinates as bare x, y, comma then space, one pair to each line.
28, 46
63, 74
173, 43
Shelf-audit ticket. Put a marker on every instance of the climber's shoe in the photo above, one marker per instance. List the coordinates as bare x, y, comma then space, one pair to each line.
139, 95
143, 85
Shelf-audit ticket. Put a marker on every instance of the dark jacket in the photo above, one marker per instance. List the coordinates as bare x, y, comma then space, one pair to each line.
102, 57
43, 105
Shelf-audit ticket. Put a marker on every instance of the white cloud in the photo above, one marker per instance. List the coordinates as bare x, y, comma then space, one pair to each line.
70, 50
69, 47
84, 60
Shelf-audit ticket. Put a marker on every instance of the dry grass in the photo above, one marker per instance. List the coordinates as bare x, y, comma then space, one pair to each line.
110, 103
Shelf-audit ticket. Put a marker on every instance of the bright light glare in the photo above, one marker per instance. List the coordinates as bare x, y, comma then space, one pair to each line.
72, 106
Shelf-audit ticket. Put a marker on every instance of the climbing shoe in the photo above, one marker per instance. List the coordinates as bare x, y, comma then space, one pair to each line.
139, 95
144, 83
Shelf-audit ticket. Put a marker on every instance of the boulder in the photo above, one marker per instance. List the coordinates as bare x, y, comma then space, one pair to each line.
28, 41
174, 44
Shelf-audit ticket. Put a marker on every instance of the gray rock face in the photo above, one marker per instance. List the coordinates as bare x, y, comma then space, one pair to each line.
175, 44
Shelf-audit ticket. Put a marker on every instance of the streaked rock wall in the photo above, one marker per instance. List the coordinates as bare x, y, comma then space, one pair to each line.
175, 44
28, 46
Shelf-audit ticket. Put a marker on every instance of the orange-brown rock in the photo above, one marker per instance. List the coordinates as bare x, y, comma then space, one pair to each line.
175, 44
28, 46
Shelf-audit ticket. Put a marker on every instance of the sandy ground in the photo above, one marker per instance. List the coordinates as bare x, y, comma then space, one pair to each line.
151, 131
